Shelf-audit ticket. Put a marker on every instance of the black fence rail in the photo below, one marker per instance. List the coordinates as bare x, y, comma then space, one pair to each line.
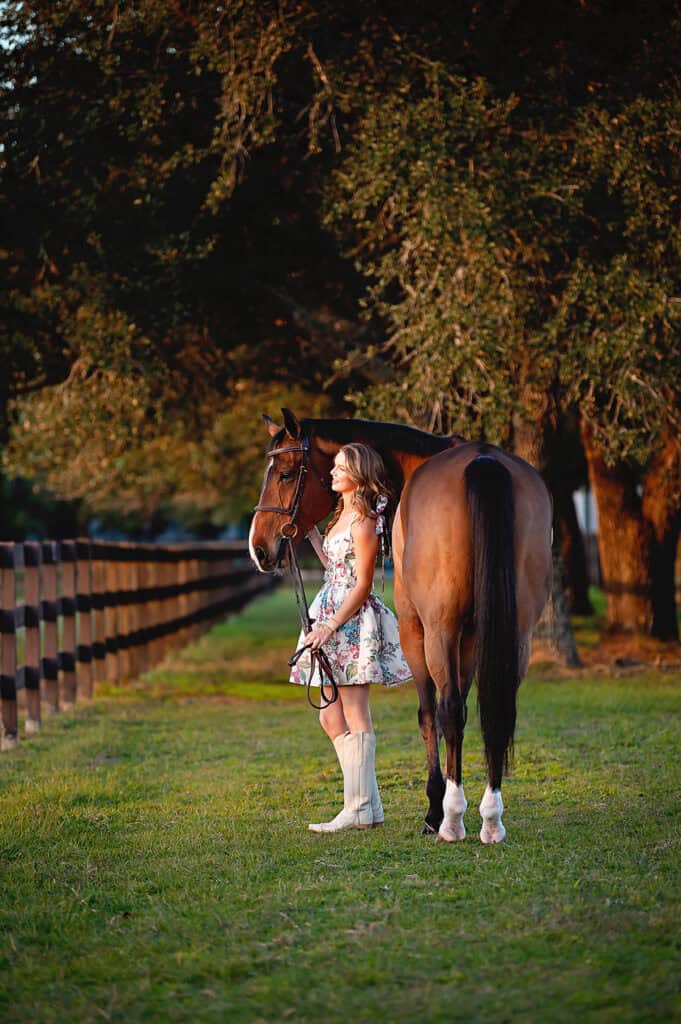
74, 613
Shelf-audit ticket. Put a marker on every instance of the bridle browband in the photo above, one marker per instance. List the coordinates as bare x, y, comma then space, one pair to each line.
289, 532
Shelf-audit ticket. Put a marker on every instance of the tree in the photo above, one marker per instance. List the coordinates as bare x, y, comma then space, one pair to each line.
520, 269
145, 277
504, 189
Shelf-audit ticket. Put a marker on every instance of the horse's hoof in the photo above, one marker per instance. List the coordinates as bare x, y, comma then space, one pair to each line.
428, 830
451, 835
492, 833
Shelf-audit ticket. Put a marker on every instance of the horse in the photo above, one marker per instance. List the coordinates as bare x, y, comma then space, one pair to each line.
471, 543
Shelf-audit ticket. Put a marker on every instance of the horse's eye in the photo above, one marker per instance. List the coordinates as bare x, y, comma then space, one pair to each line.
288, 475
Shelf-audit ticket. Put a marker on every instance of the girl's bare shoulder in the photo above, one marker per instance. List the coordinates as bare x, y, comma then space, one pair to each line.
364, 528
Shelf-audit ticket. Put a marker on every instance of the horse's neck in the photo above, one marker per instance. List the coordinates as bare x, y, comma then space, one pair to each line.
407, 461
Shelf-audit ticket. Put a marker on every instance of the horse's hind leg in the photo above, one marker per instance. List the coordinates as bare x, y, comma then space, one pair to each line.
443, 661
491, 805
411, 640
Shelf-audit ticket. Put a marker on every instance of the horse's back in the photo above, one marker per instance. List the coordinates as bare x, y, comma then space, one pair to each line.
434, 541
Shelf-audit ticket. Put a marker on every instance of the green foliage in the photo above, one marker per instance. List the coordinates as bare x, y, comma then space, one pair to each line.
139, 297
434, 190
505, 192
619, 316
101, 437
508, 253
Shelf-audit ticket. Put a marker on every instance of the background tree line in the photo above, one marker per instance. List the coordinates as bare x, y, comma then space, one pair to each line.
461, 216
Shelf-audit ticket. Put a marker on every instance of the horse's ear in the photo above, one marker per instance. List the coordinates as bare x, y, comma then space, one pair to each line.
271, 425
291, 423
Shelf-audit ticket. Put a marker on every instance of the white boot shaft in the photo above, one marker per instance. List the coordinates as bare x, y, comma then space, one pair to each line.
356, 753
376, 805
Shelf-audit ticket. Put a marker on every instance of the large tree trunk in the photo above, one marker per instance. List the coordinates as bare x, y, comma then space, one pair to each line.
623, 543
662, 513
554, 625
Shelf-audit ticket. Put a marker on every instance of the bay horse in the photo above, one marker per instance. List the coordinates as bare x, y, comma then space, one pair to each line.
472, 554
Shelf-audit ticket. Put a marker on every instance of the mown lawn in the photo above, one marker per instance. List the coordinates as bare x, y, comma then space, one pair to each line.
156, 864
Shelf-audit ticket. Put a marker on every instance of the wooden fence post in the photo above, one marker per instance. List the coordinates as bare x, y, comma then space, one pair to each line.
134, 612
143, 618
98, 614
8, 650
111, 615
84, 681
67, 607
107, 611
29, 673
153, 609
124, 617
49, 665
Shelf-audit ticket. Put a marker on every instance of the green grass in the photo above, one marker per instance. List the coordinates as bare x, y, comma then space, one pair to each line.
156, 864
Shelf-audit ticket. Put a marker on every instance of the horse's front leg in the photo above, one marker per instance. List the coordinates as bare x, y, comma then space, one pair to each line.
435, 786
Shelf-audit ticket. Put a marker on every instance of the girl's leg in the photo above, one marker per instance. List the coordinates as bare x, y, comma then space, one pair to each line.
332, 718
356, 749
356, 711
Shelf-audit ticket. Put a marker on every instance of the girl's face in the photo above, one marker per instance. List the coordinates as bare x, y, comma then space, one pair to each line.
340, 481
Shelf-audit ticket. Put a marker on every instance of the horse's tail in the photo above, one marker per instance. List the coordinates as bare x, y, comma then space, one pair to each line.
489, 488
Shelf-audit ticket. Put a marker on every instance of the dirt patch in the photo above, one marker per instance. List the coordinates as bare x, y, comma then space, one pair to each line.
616, 655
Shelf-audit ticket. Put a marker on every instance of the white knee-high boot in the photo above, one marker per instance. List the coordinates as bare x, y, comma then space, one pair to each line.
376, 805
356, 753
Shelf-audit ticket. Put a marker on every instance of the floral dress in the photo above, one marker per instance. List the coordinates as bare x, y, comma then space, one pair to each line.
366, 648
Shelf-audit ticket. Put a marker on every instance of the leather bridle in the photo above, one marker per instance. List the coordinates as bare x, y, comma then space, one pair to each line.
289, 532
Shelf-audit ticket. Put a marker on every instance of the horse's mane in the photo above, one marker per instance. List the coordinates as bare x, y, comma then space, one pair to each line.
385, 436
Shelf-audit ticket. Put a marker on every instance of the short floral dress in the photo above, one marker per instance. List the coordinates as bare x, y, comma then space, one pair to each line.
366, 648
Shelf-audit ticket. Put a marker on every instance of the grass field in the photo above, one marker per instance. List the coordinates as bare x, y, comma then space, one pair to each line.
156, 863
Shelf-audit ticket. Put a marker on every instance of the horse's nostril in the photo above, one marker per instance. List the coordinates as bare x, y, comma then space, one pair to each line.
260, 554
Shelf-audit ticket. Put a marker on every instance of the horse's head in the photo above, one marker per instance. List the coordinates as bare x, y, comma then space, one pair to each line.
296, 492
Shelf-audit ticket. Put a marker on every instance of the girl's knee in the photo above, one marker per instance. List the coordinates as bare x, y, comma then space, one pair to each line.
329, 722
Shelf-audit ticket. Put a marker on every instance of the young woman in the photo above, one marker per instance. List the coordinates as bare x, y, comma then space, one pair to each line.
358, 633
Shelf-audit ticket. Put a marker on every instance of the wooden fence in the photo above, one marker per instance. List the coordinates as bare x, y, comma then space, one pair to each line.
74, 613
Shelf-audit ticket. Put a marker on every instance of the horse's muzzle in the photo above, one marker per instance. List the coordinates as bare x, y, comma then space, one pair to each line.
268, 563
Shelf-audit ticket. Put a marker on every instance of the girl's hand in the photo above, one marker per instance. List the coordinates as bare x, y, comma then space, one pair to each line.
319, 635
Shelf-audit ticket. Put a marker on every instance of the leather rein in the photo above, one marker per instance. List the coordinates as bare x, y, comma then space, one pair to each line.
288, 532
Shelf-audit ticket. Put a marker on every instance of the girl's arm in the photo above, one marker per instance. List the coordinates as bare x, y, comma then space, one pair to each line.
366, 548
315, 539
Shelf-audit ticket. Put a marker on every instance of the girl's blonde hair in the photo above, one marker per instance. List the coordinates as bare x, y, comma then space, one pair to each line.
366, 468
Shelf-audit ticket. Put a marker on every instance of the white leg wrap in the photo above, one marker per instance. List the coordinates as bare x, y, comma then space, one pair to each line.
32, 726
9, 741
454, 805
491, 809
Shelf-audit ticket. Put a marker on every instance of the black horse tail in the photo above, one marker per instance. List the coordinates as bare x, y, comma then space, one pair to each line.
489, 489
